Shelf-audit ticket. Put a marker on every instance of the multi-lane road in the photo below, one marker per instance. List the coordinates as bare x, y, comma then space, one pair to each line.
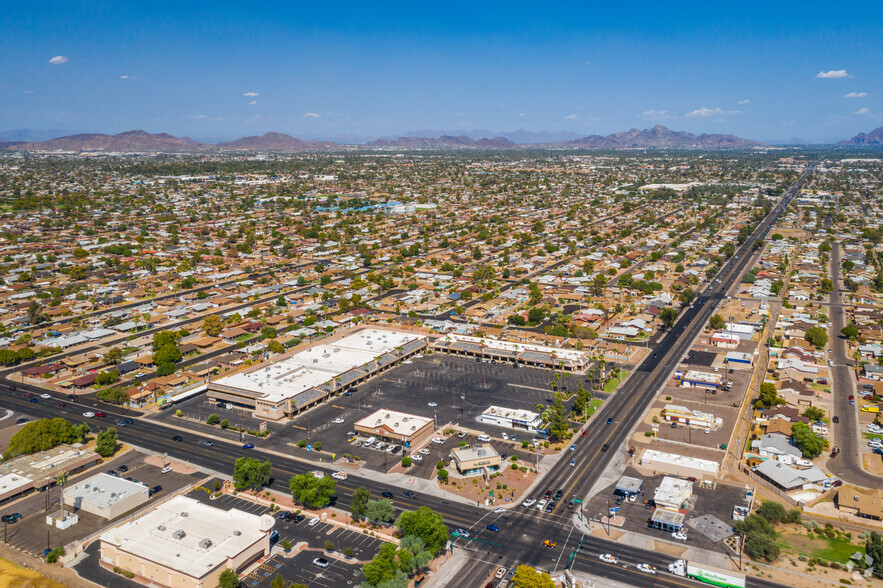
522, 531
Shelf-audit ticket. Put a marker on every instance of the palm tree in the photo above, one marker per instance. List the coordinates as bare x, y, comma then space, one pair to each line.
60, 480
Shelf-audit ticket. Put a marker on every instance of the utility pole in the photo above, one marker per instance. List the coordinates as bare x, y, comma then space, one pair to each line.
240, 426
308, 425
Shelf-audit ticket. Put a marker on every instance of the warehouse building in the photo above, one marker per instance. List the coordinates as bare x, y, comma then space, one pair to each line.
660, 462
697, 379
106, 496
38, 470
390, 426
184, 543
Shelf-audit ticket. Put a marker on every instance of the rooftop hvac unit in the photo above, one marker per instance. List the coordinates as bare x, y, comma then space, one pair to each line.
396, 425
179, 534
237, 533
161, 528
185, 514
205, 543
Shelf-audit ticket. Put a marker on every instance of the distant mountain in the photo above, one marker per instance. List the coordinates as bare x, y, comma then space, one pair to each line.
519, 136
659, 136
274, 142
444, 142
128, 141
22, 135
874, 138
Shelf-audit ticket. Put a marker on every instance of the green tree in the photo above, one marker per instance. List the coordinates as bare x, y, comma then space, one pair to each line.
760, 537
517, 320
816, 336
163, 338
768, 396
528, 577
425, 524
44, 434
359, 503
228, 579
213, 419
278, 582
668, 316
212, 325
251, 473
113, 356
814, 413
716, 322
850, 331
310, 491
536, 315
420, 555
687, 296
874, 548
773, 512
380, 512
382, 567
809, 444
106, 442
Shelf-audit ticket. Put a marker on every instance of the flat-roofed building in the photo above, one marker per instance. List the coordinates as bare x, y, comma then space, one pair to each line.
38, 470
661, 462
106, 496
476, 459
396, 427
300, 379
512, 418
184, 543
861, 502
673, 493
667, 519
697, 379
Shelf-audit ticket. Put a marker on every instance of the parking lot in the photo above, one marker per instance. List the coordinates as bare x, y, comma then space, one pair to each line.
30, 533
461, 388
300, 568
709, 514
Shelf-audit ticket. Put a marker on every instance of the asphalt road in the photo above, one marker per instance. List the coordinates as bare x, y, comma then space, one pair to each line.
847, 433
522, 531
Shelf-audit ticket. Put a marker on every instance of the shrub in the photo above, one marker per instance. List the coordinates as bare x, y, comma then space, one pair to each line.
225, 424
302, 443
213, 419
178, 413
317, 446
348, 551
329, 546
406, 462
53, 555
285, 544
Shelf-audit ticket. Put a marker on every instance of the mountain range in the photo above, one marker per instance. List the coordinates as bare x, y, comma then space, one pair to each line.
659, 136
874, 138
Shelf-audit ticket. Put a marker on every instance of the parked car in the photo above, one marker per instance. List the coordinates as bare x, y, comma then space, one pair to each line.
165, 470
123, 468
11, 519
313, 522
679, 535
321, 562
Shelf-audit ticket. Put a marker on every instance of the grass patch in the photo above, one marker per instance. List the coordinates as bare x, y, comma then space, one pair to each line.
839, 550
614, 383
870, 436
594, 405
15, 576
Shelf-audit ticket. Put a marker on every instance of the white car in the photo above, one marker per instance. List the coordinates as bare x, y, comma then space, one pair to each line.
88, 415
607, 558
633, 497
529, 502
484, 438
432, 404
647, 569
318, 474
438, 440
45, 396
504, 436
313, 522
417, 457
424, 451
541, 504
338, 476
165, 470
679, 535
499, 510
338, 421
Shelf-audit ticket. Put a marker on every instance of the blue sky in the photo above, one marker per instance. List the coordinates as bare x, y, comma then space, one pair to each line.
223, 70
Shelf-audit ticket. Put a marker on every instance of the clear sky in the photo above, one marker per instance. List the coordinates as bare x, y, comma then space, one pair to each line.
763, 70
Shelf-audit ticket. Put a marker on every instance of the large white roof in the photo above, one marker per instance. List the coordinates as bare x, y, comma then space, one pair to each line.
188, 536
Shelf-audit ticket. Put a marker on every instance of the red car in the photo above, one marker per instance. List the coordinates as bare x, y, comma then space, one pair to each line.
100, 414
585, 433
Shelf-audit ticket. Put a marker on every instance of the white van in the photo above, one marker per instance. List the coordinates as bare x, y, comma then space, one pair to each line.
504, 436
369, 441
484, 438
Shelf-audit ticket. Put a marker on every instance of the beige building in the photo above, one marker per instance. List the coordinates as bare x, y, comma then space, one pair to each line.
184, 543
396, 427
861, 502
106, 496
477, 459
